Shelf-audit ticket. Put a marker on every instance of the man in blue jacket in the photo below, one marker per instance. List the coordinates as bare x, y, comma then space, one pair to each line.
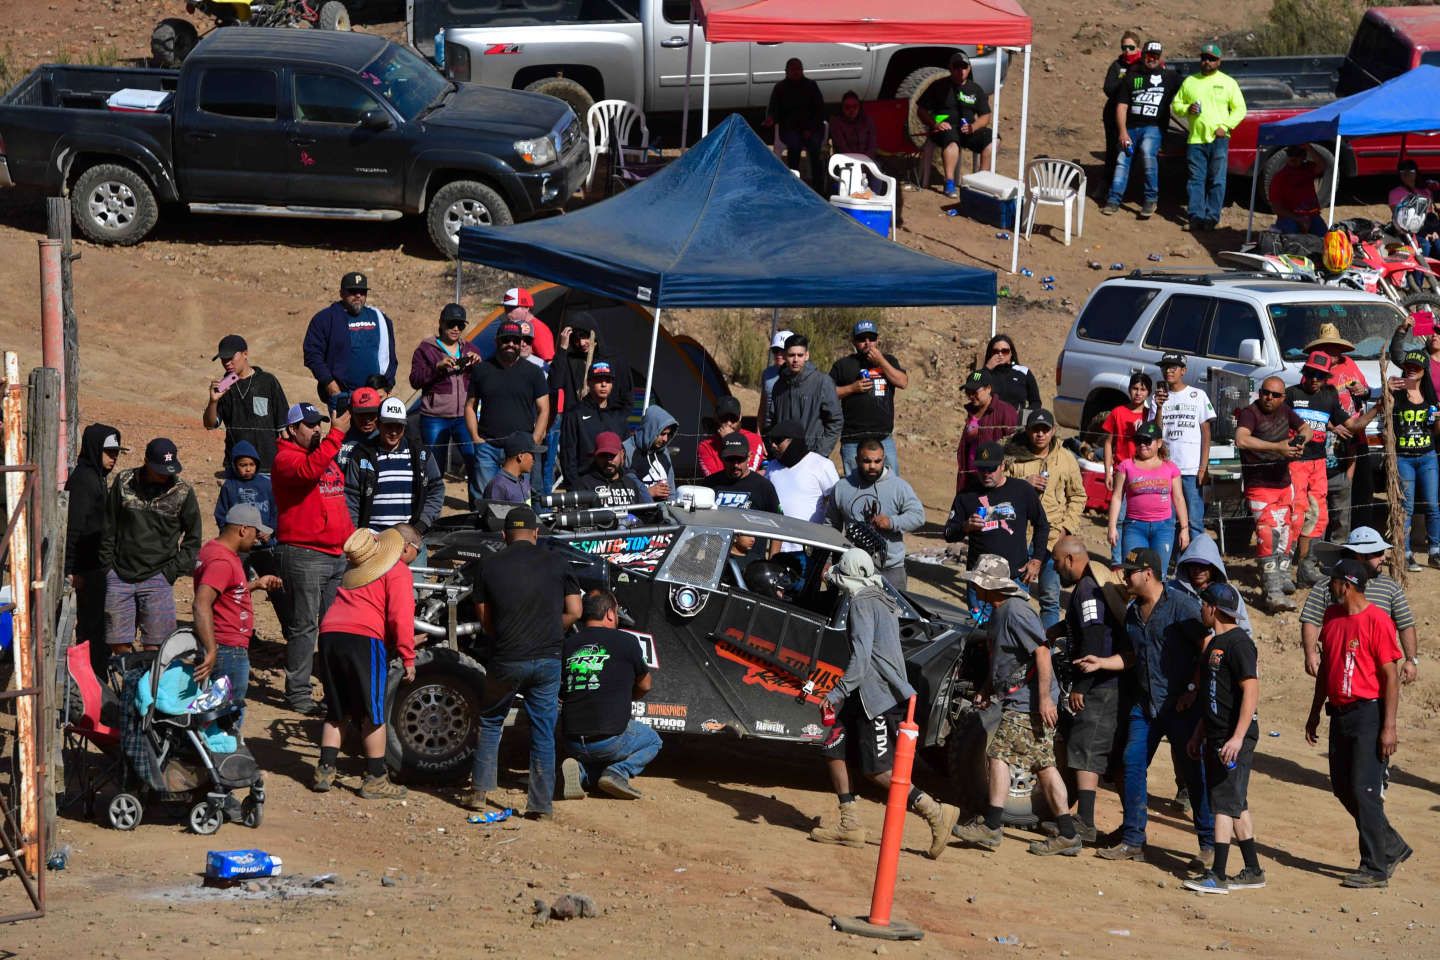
350, 342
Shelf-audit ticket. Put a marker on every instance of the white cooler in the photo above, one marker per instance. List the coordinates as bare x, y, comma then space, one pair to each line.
991, 198
132, 100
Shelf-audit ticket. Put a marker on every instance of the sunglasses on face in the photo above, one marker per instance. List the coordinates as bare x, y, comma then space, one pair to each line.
455, 325
866, 338
1129, 47
1041, 428
1273, 394
1144, 441
985, 470
354, 293
1207, 58
510, 341
1005, 350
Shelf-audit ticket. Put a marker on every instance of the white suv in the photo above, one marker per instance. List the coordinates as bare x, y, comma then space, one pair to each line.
1245, 324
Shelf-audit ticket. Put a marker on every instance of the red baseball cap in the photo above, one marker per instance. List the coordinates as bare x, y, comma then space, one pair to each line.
365, 400
518, 297
1320, 362
608, 442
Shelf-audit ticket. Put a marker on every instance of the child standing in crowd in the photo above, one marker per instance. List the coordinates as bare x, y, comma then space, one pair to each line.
244, 483
1119, 427
1154, 502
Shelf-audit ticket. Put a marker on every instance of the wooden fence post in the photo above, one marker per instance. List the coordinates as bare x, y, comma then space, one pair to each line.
43, 443
59, 228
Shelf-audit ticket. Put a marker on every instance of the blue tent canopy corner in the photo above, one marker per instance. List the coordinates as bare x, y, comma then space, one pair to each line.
726, 225
1410, 103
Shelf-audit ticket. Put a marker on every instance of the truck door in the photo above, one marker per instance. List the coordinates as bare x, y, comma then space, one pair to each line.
837, 67
230, 144
669, 39
340, 153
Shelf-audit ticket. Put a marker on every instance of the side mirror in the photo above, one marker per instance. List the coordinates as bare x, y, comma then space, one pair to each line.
375, 120
1251, 352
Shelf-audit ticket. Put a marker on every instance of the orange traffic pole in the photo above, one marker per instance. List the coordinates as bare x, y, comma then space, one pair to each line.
883, 896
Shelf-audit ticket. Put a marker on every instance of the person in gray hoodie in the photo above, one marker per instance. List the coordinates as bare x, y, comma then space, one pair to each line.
647, 451
1198, 567
865, 706
873, 496
806, 395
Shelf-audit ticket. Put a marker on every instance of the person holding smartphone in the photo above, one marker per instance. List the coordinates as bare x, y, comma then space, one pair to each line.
247, 401
440, 369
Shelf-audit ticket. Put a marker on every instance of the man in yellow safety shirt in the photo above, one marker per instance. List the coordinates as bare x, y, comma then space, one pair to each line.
1211, 103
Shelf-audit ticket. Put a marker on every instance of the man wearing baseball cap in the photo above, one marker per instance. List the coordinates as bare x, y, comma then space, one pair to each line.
311, 527
609, 477
1211, 104
865, 382
224, 612
511, 482
994, 518
1036, 457
100, 449
349, 342
764, 417
506, 395
1317, 402
727, 423
736, 484
1269, 435
1366, 546
391, 479
439, 369
599, 411
1142, 113
957, 113
519, 306
1358, 686
248, 402
988, 419
152, 536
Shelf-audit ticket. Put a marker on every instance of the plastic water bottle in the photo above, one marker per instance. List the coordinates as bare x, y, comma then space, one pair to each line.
440, 48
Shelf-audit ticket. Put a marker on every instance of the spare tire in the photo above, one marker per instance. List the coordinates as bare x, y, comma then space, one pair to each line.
171, 42
1272, 164
333, 16
913, 88
563, 88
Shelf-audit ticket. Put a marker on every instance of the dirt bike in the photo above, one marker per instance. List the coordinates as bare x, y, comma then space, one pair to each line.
173, 38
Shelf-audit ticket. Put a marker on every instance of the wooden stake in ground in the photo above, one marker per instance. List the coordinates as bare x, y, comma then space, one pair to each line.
1393, 491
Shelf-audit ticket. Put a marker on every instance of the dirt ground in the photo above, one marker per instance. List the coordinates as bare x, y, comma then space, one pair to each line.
714, 860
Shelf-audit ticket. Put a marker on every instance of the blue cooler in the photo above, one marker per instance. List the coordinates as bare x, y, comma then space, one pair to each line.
867, 213
990, 198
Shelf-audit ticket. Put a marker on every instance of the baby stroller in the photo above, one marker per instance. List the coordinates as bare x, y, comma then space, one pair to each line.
177, 743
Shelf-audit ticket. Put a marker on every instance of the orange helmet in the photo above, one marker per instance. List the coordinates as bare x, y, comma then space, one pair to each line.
1339, 254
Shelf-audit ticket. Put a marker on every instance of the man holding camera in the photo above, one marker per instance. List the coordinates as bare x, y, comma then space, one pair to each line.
438, 369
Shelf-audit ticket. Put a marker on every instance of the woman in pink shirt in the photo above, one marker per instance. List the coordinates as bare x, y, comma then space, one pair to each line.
1428, 239
1150, 484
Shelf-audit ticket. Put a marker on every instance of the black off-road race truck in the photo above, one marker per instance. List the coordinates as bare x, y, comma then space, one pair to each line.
722, 658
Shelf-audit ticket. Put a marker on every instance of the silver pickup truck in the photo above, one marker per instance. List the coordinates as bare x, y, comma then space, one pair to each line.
587, 50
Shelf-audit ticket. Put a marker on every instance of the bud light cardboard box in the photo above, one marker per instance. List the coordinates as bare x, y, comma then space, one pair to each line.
240, 864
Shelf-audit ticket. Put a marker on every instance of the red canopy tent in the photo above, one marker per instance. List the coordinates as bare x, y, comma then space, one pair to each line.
1001, 23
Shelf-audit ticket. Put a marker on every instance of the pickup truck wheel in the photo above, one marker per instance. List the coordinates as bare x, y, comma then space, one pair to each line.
113, 205
913, 88
563, 88
463, 203
1272, 164
435, 720
333, 16
171, 42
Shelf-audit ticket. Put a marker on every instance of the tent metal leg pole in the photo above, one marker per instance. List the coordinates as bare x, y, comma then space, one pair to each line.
1334, 180
650, 363
995, 110
689, 72
994, 318
705, 96
1254, 185
1020, 175
458, 262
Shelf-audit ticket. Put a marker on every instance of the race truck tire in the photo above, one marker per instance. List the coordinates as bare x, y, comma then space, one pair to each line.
1421, 301
1276, 159
333, 16
434, 721
113, 205
171, 42
967, 769
913, 88
563, 88
463, 203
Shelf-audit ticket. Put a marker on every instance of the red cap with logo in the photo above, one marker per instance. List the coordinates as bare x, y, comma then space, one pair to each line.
365, 400
518, 297
1320, 362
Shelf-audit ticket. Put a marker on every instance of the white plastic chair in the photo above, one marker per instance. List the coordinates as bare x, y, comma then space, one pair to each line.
778, 145
615, 118
856, 173
1056, 183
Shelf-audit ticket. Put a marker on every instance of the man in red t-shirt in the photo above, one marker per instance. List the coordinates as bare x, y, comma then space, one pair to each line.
1359, 686
1265, 433
224, 615
1292, 193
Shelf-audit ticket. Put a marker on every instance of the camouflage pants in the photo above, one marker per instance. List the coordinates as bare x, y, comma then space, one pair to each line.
1022, 740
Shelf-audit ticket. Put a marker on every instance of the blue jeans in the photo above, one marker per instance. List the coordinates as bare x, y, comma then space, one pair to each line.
1313, 224
234, 662
983, 611
1207, 178
1157, 535
1117, 552
546, 472
453, 432
849, 454
1047, 591
1142, 738
539, 681
311, 580
623, 755
489, 458
1194, 504
1147, 148
1422, 471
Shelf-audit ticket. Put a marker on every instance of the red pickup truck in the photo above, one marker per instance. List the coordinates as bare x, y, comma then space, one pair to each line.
1388, 42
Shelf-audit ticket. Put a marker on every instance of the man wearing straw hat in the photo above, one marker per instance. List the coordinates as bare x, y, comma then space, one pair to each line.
1343, 458
372, 618
1022, 680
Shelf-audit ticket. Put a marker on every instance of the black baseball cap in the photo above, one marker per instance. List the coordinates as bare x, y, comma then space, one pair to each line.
787, 430
727, 407
1143, 559
1222, 597
1038, 418
1153, 46
1172, 360
452, 314
1351, 571
521, 518
735, 447
230, 344
989, 457
162, 456
355, 280
1148, 431
978, 379
958, 59
521, 442
1415, 358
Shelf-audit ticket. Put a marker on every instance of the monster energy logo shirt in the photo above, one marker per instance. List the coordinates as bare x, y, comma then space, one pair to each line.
1149, 93
598, 670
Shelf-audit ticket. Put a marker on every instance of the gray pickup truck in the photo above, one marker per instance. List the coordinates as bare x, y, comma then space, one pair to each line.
587, 50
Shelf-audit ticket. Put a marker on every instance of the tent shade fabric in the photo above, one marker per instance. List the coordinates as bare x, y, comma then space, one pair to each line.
1410, 103
726, 225
946, 22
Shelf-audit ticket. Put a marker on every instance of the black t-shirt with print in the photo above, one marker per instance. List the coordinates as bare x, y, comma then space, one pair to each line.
869, 413
964, 101
1149, 93
507, 396
254, 409
1009, 511
1229, 658
750, 492
525, 586
598, 670
1414, 434
1317, 410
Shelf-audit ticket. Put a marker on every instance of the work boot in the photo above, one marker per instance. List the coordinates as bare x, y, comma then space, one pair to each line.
324, 778
942, 818
1274, 597
1057, 846
1309, 572
380, 788
848, 831
1122, 851
977, 834
1283, 571
476, 800
618, 787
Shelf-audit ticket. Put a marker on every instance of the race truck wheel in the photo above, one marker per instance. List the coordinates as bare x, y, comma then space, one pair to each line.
333, 16
914, 88
1271, 165
463, 203
1416, 302
171, 42
113, 205
434, 720
967, 768
563, 88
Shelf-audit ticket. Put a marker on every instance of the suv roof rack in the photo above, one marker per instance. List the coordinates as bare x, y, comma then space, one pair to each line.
1203, 276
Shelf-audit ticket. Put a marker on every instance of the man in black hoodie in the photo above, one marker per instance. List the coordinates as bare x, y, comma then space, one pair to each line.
99, 449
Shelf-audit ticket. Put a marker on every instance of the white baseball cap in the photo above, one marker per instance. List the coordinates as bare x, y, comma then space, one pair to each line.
778, 341
393, 411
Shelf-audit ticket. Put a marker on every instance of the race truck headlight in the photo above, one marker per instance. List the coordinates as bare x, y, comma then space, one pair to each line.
538, 151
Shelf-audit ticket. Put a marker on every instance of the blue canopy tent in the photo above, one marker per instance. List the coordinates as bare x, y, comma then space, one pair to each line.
1410, 103
725, 225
